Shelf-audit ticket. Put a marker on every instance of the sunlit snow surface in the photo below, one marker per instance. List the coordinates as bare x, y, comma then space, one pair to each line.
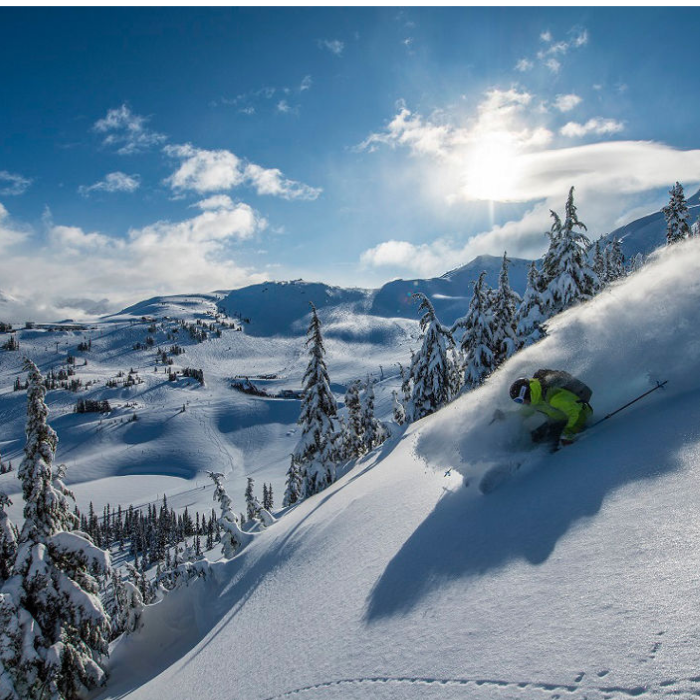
577, 579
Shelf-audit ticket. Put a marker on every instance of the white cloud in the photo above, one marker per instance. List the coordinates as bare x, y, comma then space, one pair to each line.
283, 106
306, 83
217, 201
127, 130
204, 171
13, 184
552, 53
74, 237
500, 153
162, 258
423, 260
598, 126
113, 182
209, 171
553, 64
10, 233
333, 45
565, 103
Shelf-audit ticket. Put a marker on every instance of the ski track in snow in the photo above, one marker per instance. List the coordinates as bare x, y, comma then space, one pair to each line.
689, 687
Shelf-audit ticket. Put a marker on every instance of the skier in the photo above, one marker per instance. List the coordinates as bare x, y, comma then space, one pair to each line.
563, 399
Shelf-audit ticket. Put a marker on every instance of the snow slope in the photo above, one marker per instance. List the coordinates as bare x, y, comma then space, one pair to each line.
112, 459
577, 579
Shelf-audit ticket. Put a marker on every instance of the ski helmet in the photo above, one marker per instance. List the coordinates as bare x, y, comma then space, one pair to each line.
520, 390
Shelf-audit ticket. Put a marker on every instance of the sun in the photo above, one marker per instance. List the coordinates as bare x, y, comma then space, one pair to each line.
492, 171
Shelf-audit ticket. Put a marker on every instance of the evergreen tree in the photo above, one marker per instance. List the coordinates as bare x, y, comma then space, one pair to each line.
373, 431
600, 264
294, 485
531, 315
315, 453
568, 274
8, 540
430, 371
61, 630
250, 500
354, 432
676, 214
125, 604
399, 410
614, 260
477, 338
504, 304
232, 537
269, 500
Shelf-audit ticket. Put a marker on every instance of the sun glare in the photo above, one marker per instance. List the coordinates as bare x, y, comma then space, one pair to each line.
491, 171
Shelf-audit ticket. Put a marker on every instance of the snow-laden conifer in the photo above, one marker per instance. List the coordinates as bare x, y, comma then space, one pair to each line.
232, 535
600, 264
294, 485
374, 433
398, 410
569, 277
8, 540
250, 500
614, 260
430, 372
62, 630
354, 424
504, 305
477, 338
315, 452
125, 604
531, 314
676, 214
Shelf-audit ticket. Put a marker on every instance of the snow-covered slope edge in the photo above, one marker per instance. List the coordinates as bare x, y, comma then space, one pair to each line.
578, 579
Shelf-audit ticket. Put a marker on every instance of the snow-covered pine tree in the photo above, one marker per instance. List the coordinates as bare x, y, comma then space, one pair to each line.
269, 502
636, 263
456, 375
398, 409
315, 452
232, 535
569, 277
354, 432
476, 342
61, 626
504, 304
373, 431
430, 372
614, 260
599, 264
531, 315
251, 510
676, 214
294, 485
125, 605
695, 228
8, 540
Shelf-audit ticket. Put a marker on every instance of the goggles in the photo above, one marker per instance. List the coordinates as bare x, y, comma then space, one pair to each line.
520, 398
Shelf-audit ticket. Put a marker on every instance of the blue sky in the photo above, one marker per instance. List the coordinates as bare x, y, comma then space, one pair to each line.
173, 150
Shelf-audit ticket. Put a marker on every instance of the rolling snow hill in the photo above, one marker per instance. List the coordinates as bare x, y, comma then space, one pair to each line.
576, 579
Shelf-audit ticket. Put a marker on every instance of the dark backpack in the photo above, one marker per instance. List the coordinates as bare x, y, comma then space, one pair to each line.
559, 379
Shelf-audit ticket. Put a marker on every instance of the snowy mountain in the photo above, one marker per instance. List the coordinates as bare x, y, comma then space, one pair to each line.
648, 233
449, 293
575, 579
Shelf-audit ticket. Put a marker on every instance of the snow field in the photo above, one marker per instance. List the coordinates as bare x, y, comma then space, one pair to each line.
578, 579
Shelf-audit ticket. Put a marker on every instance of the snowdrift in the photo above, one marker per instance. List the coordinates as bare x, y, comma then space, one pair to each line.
578, 579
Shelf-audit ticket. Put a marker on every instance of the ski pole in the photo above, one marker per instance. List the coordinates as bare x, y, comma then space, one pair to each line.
659, 385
